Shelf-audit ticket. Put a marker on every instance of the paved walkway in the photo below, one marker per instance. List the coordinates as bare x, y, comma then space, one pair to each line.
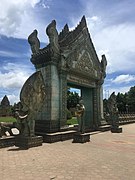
107, 157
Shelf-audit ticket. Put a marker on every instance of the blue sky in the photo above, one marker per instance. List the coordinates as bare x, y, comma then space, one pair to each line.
111, 24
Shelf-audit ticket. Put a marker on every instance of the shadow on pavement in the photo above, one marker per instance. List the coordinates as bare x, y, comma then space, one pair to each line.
17, 149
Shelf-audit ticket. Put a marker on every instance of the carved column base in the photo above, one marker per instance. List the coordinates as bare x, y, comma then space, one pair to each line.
116, 130
7, 142
28, 142
81, 138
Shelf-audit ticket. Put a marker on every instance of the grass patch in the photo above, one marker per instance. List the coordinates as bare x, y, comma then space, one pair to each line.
7, 119
72, 121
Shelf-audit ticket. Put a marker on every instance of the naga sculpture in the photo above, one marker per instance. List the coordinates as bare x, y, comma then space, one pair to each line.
52, 33
31, 101
34, 41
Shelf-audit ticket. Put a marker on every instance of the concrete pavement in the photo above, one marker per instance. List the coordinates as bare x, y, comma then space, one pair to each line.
107, 156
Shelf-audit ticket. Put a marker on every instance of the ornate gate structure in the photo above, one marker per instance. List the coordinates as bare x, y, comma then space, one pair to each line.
69, 59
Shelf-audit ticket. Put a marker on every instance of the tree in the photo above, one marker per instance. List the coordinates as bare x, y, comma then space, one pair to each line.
72, 99
121, 102
125, 102
131, 99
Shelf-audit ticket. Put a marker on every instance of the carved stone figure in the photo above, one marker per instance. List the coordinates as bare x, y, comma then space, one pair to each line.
31, 100
22, 121
52, 33
112, 105
80, 109
34, 41
113, 110
103, 65
6, 127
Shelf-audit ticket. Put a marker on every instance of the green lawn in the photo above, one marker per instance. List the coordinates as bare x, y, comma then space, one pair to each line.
72, 121
7, 119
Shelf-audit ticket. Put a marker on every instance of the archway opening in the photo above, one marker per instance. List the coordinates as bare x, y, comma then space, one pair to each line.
74, 94
73, 97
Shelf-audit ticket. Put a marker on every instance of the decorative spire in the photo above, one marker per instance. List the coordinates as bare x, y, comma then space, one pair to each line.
66, 28
83, 22
64, 32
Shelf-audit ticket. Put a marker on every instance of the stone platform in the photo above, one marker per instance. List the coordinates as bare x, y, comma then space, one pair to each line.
81, 138
58, 136
116, 130
7, 141
28, 142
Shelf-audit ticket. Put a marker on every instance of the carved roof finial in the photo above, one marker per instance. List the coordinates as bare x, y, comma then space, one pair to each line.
64, 32
34, 41
83, 22
66, 28
52, 33
51, 26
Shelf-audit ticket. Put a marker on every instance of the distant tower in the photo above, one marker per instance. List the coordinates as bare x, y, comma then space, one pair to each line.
5, 107
5, 102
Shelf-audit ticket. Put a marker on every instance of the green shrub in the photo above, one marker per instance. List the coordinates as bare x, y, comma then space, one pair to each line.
72, 121
7, 119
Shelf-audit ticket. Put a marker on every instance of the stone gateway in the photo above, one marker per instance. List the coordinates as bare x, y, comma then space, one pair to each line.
69, 59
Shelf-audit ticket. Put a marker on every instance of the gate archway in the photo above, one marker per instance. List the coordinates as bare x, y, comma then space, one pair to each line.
70, 58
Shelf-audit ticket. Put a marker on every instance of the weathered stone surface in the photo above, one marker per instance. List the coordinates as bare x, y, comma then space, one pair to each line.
81, 138
116, 130
28, 142
7, 141
48, 126
59, 136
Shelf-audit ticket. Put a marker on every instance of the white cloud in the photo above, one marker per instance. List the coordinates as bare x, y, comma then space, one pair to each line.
14, 77
44, 5
93, 22
8, 54
12, 13
95, 18
13, 98
119, 44
19, 18
112, 30
107, 92
124, 78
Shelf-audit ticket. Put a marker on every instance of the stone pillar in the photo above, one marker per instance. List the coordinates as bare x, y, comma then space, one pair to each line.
100, 115
48, 118
63, 97
96, 108
99, 96
101, 102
